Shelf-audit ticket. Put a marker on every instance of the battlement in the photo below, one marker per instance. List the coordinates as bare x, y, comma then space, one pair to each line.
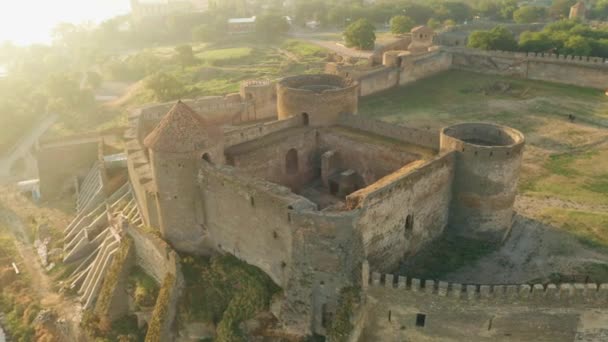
534, 56
577, 293
254, 83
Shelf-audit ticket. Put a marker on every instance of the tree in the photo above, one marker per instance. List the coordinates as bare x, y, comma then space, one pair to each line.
271, 26
561, 8
185, 55
401, 24
536, 42
529, 14
499, 38
165, 86
577, 46
457, 11
434, 23
507, 8
419, 13
360, 34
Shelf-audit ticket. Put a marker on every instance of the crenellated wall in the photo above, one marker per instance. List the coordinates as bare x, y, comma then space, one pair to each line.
589, 72
399, 308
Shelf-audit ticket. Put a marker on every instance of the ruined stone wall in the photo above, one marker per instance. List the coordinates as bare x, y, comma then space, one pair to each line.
417, 67
162, 263
327, 257
267, 159
322, 97
371, 159
421, 191
380, 80
59, 163
250, 219
398, 44
409, 135
243, 134
575, 70
472, 312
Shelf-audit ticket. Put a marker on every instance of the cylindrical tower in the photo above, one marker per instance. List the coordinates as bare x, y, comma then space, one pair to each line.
488, 162
319, 99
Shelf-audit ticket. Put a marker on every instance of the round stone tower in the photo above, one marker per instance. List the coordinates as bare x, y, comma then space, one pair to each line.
177, 146
488, 161
319, 99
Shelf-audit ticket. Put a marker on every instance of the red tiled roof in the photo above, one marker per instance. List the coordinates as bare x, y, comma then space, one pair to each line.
181, 130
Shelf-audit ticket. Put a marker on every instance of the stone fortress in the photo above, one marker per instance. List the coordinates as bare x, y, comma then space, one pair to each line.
288, 178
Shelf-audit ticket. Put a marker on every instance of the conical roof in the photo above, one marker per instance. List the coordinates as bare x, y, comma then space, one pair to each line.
181, 130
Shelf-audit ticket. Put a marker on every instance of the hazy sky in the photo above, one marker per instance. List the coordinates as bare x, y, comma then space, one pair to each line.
30, 21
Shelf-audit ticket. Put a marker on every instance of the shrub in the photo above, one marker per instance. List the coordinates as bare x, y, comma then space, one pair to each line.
360, 34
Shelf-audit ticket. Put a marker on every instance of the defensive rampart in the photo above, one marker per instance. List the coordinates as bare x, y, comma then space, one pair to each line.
423, 191
400, 308
589, 294
589, 72
409, 135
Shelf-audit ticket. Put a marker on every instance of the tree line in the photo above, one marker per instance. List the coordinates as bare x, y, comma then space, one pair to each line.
564, 37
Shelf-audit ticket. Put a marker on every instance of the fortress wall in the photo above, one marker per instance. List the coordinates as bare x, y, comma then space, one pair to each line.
257, 228
248, 133
485, 313
575, 70
153, 254
326, 257
410, 135
377, 81
267, 158
57, 164
417, 67
421, 191
371, 157
589, 295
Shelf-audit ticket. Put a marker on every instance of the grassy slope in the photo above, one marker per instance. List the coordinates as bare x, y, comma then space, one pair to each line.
563, 161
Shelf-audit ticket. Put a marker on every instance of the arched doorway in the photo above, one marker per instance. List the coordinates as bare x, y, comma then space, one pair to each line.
305, 119
291, 162
206, 157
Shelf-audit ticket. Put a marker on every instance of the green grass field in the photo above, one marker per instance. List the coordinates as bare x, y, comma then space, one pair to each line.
565, 163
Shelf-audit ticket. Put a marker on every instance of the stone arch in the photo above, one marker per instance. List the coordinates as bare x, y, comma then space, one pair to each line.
291, 162
206, 157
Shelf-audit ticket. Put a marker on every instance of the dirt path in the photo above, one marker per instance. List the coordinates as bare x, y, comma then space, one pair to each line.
68, 310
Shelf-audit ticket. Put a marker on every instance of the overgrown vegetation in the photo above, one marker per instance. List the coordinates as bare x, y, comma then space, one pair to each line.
113, 275
159, 315
224, 291
145, 289
100, 329
341, 324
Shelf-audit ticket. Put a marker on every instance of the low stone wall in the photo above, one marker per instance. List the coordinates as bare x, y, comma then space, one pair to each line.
410, 135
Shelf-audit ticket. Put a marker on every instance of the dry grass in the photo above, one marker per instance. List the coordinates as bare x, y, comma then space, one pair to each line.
565, 163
